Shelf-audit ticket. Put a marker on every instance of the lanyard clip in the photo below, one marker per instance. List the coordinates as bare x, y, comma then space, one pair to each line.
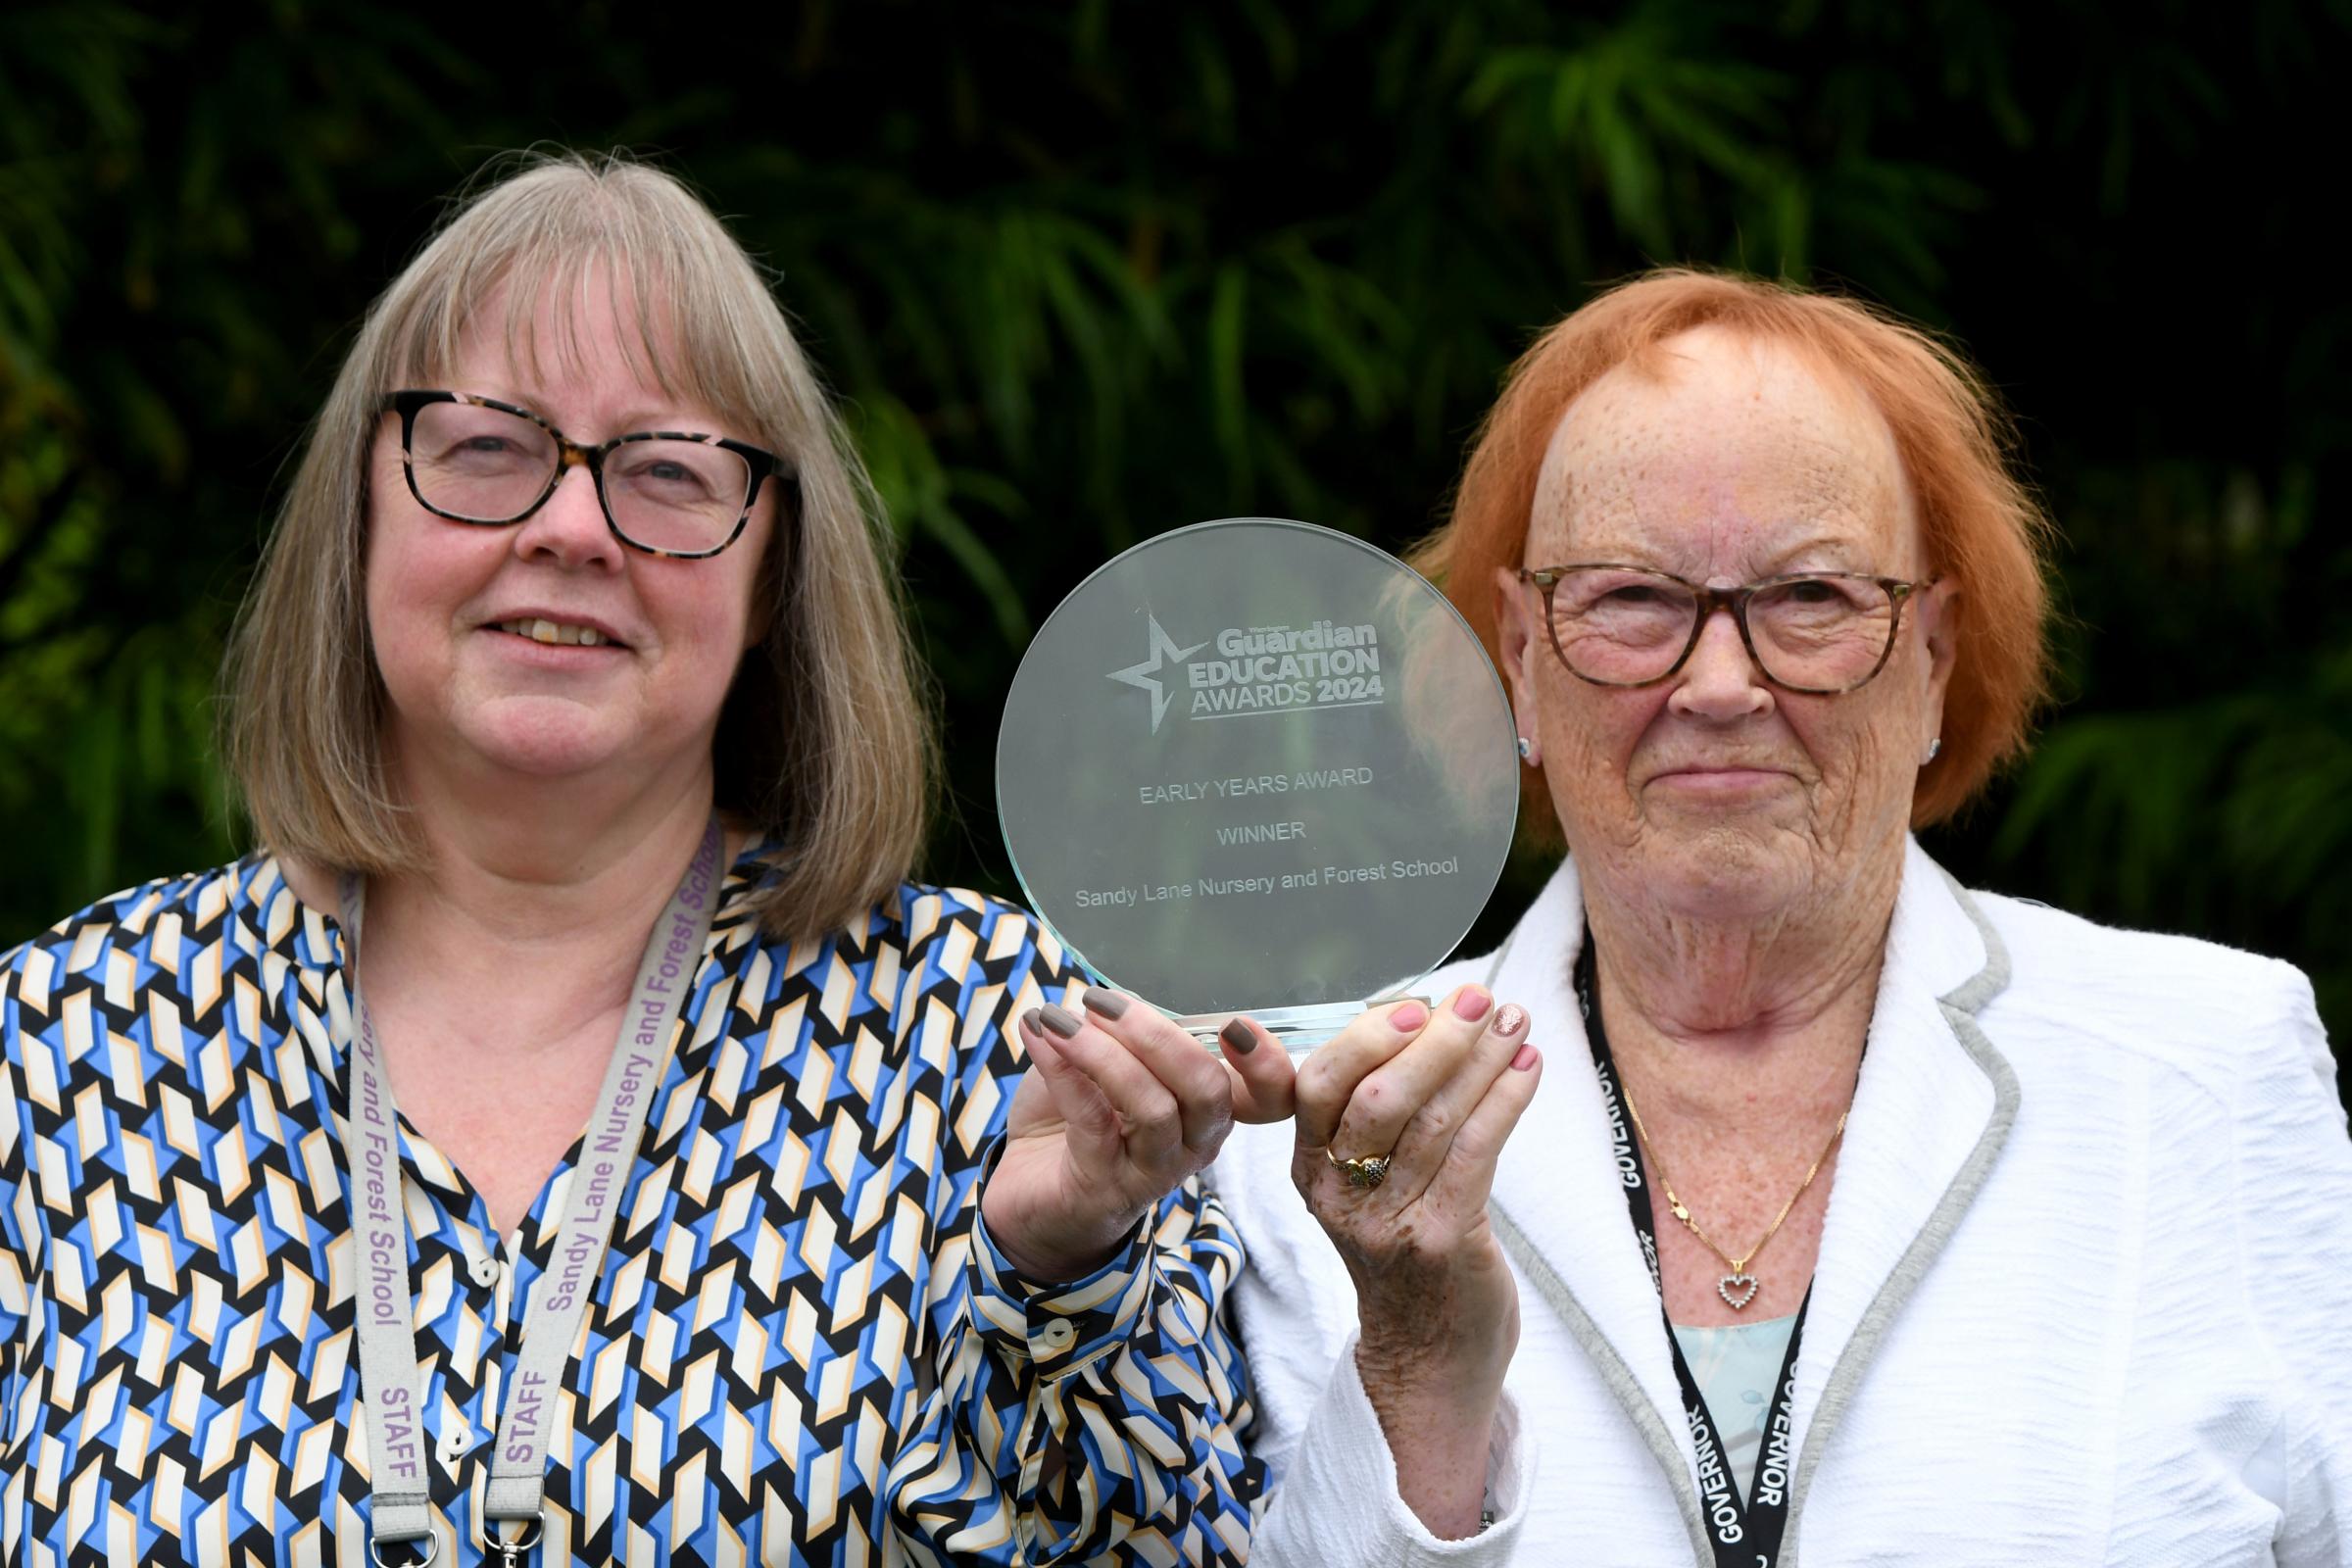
517, 1551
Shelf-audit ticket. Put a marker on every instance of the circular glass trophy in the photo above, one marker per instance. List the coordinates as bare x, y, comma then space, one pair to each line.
1257, 767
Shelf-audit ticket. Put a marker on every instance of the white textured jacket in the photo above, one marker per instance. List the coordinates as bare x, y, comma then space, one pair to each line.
2084, 1289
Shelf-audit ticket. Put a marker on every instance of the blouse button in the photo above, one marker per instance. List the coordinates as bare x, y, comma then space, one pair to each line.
1057, 1335
484, 1271
455, 1443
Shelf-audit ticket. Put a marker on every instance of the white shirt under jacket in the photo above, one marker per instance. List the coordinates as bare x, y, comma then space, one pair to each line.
2084, 1290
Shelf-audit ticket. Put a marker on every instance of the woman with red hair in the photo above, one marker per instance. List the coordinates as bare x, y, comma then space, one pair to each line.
1854, 1209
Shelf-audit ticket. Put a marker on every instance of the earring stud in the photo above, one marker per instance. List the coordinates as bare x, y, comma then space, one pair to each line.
1527, 748
1934, 744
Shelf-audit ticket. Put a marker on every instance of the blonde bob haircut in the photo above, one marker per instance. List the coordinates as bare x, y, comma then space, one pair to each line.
825, 742
1981, 526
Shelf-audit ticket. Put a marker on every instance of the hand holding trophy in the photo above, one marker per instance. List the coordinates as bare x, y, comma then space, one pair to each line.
1296, 789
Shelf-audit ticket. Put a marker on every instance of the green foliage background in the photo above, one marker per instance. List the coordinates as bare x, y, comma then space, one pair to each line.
1084, 273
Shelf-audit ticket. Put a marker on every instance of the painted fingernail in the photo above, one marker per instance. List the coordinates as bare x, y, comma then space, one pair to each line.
1527, 1058
1034, 1020
1410, 1017
1104, 1001
1511, 1019
1064, 1024
1472, 1004
1238, 1037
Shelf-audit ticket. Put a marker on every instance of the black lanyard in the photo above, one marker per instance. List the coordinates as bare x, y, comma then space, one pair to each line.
1743, 1537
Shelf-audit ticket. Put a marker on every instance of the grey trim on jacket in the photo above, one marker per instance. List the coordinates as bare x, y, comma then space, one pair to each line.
1960, 1007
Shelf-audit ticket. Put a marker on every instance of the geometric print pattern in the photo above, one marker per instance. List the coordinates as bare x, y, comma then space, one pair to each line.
802, 1348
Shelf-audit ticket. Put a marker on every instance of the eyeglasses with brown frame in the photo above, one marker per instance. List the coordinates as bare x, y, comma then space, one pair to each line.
1822, 633
680, 494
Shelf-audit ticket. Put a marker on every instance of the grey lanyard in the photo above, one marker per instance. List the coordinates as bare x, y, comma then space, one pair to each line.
402, 1510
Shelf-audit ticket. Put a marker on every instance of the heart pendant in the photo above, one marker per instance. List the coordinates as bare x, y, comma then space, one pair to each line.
1729, 1283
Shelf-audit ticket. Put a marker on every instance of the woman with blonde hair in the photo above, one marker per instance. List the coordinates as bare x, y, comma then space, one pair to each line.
571, 1137
1856, 1215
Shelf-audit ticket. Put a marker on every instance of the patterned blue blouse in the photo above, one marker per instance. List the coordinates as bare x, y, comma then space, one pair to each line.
802, 1349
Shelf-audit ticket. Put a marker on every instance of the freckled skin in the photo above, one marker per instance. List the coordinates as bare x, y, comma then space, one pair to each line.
1740, 926
1739, 466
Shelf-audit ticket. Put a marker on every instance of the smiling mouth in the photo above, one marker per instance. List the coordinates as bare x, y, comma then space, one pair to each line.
558, 633
1718, 777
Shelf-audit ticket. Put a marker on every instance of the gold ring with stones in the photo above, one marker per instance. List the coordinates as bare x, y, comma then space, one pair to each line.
1364, 1172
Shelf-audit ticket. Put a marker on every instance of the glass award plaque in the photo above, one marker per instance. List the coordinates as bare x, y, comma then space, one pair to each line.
1257, 767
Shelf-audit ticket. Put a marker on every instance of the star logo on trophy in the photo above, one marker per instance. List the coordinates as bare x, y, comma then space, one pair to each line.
1145, 676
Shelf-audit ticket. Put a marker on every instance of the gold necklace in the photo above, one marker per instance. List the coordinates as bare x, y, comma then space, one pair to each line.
1738, 1276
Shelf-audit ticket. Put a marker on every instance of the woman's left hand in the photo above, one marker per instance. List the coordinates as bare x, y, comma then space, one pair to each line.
1121, 1105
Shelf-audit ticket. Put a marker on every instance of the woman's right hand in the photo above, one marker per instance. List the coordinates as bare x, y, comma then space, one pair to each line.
1435, 1095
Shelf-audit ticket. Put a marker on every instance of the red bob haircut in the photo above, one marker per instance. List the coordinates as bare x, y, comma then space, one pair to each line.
1981, 526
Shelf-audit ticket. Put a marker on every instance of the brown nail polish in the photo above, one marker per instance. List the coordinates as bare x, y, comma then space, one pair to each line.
1034, 1020
1061, 1023
1511, 1019
1104, 1001
1236, 1036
